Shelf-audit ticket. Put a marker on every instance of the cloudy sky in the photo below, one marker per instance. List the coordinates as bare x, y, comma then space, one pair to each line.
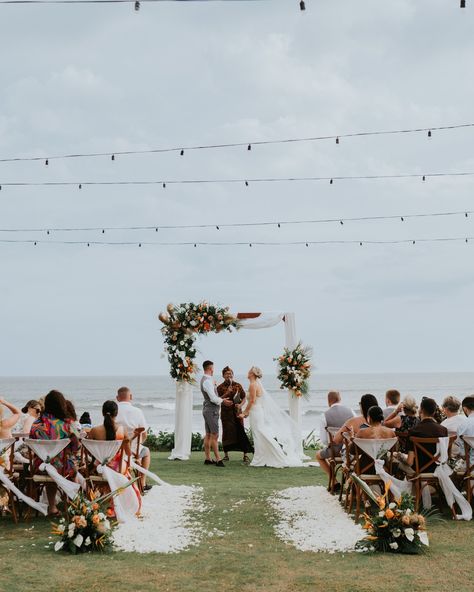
103, 78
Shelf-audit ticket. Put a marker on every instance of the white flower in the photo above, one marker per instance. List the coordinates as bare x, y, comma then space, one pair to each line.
87, 541
381, 514
61, 528
410, 534
407, 512
70, 531
78, 540
101, 516
396, 532
423, 536
392, 505
58, 546
393, 546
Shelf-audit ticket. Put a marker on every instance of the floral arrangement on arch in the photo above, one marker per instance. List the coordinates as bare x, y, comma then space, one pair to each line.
87, 525
181, 324
394, 526
294, 369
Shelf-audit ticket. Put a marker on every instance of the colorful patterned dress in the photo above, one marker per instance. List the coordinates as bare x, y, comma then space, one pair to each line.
48, 427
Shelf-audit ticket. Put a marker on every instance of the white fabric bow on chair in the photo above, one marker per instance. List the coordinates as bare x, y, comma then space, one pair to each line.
375, 448
8, 484
443, 472
46, 450
126, 503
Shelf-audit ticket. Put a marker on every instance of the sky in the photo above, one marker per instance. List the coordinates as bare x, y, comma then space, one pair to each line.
106, 78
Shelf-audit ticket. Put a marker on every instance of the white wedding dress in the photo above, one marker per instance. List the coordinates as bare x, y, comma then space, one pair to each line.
275, 435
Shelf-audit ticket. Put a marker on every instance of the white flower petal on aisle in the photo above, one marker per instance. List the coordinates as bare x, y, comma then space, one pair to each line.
166, 525
312, 519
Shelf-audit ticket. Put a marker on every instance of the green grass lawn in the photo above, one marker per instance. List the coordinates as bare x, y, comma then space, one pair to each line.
248, 557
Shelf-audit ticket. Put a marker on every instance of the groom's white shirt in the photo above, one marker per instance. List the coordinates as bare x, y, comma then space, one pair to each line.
209, 386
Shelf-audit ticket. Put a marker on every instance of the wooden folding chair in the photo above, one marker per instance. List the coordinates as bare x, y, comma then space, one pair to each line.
36, 479
366, 472
335, 460
90, 462
135, 446
7, 450
469, 474
422, 478
347, 484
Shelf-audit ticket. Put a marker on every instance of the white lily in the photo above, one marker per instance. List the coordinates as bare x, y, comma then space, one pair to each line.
393, 546
410, 534
78, 540
58, 546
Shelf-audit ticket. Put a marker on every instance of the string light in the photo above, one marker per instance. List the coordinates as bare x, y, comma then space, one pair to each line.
137, 8
237, 181
278, 223
463, 239
302, 5
292, 140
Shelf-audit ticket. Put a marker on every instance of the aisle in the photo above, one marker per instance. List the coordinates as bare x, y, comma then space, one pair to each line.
311, 519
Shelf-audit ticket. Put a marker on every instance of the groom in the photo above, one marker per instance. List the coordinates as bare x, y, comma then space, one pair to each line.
210, 412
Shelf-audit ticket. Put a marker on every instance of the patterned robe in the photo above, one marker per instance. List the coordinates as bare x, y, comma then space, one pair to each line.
233, 431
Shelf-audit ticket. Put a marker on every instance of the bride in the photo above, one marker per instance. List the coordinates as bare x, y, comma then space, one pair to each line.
275, 434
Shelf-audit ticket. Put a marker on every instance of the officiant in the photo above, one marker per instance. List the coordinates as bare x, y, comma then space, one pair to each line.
233, 431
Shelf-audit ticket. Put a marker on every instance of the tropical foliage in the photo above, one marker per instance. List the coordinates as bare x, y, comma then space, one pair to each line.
294, 369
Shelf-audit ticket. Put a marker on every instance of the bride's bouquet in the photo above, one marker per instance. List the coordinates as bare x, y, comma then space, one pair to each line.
295, 369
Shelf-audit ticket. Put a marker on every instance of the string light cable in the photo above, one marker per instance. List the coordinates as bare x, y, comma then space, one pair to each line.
247, 181
219, 226
246, 145
308, 243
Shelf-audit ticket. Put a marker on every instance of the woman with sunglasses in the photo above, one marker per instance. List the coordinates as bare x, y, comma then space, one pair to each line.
31, 412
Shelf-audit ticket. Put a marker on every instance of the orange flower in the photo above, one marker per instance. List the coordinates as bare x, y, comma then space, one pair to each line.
95, 519
95, 506
389, 514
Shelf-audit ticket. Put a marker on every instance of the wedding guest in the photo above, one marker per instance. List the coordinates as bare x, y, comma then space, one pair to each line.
233, 431
72, 415
454, 420
110, 429
467, 429
375, 431
403, 419
428, 427
392, 400
55, 424
31, 412
353, 425
86, 422
6, 423
131, 418
334, 417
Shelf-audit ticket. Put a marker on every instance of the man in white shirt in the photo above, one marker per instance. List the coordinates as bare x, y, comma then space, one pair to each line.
467, 428
451, 407
131, 418
210, 412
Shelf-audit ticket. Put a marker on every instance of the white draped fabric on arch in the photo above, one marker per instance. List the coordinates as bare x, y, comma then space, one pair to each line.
184, 390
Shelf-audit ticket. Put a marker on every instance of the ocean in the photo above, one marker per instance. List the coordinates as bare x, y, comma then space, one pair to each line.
155, 395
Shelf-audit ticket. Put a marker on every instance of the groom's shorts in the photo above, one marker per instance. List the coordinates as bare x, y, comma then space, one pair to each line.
211, 419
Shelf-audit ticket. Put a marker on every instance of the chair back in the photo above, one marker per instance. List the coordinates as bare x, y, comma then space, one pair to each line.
102, 451
7, 450
45, 451
432, 456
402, 439
333, 448
468, 447
372, 448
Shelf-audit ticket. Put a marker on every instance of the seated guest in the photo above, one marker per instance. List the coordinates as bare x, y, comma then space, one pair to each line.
131, 418
467, 429
428, 427
353, 425
6, 423
110, 430
334, 417
451, 407
55, 424
85, 420
375, 431
392, 400
403, 419
30, 413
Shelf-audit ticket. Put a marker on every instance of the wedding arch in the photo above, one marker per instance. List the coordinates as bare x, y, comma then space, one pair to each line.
181, 325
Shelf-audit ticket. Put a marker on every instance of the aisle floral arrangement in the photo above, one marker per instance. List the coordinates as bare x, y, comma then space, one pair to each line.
87, 526
394, 526
294, 369
181, 324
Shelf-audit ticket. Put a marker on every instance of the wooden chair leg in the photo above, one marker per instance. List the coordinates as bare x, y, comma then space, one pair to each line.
358, 496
